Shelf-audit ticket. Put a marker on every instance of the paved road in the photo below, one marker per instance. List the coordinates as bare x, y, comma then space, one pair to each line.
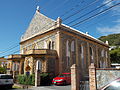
68, 87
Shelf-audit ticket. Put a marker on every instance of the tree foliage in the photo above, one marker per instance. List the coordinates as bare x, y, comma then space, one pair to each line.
115, 55
2, 70
113, 39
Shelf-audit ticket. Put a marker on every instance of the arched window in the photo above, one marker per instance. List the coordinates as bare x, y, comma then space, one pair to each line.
22, 51
49, 45
45, 45
53, 45
73, 46
91, 55
33, 46
106, 53
102, 53
67, 53
36, 46
73, 60
82, 55
38, 65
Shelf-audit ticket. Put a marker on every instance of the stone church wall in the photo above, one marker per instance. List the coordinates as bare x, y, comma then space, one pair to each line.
85, 52
40, 43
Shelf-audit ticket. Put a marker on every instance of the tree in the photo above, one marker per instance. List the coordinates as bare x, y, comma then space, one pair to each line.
115, 55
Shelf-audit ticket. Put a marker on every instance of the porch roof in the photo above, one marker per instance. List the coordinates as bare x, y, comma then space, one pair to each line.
40, 52
15, 57
34, 52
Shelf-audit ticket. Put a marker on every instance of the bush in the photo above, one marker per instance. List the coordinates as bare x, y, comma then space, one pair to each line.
45, 79
26, 80
2, 70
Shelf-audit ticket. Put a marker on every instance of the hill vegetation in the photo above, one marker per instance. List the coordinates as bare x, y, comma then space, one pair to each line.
113, 39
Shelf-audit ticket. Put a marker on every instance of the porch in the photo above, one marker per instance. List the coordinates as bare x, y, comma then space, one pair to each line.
47, 60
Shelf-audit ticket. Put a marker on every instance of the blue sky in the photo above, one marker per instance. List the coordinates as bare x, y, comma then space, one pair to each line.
15, 16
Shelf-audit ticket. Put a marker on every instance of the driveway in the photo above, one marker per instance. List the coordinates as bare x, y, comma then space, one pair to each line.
67, 87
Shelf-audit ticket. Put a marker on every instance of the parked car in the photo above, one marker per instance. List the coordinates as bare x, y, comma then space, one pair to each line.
6, 81
114, 85
63, 79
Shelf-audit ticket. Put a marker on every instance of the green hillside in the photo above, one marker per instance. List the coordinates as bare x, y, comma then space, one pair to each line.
113, 39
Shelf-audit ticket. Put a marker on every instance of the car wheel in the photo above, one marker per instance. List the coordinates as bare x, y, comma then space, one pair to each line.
64, 83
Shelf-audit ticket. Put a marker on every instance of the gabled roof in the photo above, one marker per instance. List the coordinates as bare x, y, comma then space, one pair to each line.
39, 24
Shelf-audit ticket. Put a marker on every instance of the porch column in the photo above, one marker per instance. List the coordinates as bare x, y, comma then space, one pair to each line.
37, 73
13, 69
21, 66
10, 68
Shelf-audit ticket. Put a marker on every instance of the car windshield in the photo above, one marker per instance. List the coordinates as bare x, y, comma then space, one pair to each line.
6, 77
64, 75
61, 76
114, 86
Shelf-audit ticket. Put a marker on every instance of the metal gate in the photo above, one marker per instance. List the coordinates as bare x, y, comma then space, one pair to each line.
84, 85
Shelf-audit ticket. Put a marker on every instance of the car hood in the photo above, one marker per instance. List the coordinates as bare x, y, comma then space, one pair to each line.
57, 78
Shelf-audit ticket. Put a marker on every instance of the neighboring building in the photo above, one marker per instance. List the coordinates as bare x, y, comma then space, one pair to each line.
115, 65
112, 47
3, 62
55, 47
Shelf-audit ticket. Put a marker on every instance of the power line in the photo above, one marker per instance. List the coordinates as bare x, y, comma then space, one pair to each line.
90, 12
11, 54
94, 23
93, 16
80, 10
9, 49
65, 1
45, 4
72, 8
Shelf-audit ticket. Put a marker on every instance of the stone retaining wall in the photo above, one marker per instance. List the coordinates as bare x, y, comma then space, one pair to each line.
105, 76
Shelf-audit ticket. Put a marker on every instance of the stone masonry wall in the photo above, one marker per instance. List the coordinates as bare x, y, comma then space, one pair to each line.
105, 76
82, 58
38, 44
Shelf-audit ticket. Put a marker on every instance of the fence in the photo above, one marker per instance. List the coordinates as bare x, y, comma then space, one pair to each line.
84, 85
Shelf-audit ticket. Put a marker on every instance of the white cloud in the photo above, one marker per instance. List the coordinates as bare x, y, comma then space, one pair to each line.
109, 30
115, 10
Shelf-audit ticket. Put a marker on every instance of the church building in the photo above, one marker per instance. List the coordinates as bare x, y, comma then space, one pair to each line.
54, 47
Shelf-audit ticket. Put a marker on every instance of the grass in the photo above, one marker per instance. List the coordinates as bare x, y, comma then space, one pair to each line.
17, 87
